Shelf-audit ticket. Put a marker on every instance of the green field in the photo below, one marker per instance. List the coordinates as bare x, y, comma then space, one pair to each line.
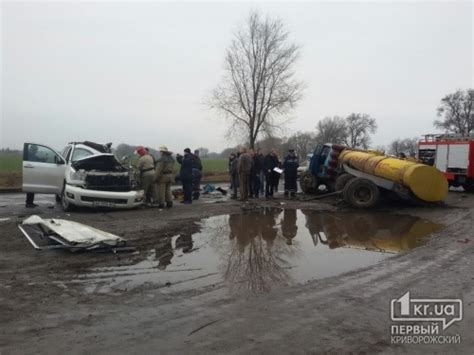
214, 166
10, 170
10, 162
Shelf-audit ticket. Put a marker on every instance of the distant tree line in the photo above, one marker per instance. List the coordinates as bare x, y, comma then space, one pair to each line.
10, 151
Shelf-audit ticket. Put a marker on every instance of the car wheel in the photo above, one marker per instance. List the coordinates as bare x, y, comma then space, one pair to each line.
361, 193
65, 204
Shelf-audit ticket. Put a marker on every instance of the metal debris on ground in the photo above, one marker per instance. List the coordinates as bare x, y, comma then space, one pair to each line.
73, 236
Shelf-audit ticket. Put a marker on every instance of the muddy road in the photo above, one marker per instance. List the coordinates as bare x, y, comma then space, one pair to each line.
289, 275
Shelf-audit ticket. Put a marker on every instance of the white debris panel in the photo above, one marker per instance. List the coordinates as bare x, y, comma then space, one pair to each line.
70, 235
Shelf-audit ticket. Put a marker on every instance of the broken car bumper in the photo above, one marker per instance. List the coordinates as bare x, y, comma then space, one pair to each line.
79, 196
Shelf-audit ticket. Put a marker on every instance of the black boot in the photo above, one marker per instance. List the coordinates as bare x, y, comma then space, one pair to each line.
169, 204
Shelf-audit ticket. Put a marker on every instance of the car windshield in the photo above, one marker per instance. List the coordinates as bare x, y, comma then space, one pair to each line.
80, 153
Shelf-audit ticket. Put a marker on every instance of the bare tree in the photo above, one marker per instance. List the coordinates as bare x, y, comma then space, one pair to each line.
302, 142
407, 146
396, 146
271, 142
457, 112
411, 145
258, 88
331, 130
359, 127
203, 152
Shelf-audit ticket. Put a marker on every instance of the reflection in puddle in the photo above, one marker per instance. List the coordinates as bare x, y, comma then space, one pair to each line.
259, 251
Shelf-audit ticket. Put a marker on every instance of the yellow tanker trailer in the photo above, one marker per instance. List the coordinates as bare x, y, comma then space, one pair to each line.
362, 176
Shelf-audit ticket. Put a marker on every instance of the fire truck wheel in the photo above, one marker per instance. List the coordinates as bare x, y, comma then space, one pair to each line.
342, 181
361, 193
468, 186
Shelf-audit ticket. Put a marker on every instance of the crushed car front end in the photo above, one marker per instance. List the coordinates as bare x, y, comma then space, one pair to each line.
101, 181
79, 196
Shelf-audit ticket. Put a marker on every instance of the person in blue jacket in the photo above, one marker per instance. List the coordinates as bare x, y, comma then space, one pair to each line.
186, 175
290, 167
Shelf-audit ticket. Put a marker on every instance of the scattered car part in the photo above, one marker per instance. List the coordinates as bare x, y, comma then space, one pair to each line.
64, 234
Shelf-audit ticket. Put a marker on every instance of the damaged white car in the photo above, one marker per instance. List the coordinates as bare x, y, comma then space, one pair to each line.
84, 174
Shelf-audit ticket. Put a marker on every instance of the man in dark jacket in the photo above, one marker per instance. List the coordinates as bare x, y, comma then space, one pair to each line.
234, 173
290, 166
255, 175
261, 173
270, 162
186, 175
197, 175
276, 175
229, 168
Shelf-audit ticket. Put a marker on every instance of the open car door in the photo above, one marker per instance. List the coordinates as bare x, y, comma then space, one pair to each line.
43, 169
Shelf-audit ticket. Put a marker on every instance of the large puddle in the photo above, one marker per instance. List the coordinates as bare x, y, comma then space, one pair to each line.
262, 250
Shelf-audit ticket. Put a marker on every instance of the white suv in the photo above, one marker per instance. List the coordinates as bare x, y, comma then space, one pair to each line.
84, 174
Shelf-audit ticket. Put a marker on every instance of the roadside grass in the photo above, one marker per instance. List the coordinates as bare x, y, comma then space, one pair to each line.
10, 162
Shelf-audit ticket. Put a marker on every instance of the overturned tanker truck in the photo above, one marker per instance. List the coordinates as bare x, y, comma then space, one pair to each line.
363, 176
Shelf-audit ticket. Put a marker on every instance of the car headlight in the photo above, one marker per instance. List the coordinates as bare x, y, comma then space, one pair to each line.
77, 176
139, 197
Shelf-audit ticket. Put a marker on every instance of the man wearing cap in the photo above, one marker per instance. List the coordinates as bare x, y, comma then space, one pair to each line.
146, 167
290, 166
186, 175
164, 176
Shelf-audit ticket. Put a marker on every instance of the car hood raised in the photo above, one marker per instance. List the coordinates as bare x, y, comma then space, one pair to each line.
100, 162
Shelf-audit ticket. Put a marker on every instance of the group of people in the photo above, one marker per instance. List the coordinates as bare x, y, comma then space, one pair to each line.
156, 176
253, 174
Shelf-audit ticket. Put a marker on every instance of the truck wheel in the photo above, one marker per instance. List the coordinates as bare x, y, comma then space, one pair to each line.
65, 204
342, 181
308, 183
361, 193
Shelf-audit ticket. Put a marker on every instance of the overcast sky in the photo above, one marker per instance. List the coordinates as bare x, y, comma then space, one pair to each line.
139, 72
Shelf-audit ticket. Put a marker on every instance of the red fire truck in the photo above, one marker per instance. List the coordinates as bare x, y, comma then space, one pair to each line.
452, 154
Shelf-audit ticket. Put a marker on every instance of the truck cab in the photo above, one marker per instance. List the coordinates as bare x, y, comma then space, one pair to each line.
319, 163
322, 168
